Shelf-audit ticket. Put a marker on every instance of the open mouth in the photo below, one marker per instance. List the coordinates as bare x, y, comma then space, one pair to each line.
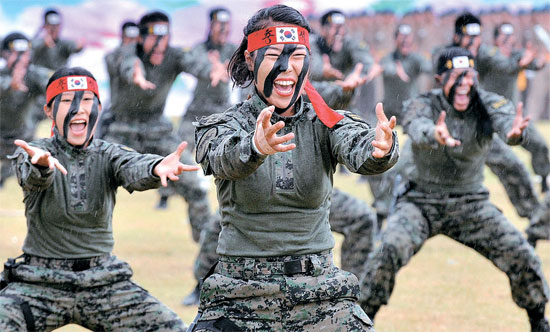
462, 97
284, 87
78, 127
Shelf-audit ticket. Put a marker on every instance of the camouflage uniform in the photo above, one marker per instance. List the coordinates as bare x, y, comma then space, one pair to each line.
276, 271
539, 226
52, 58
207, 100
69, 220
498, 74
14, 110
140, 124
446, 196
348, 216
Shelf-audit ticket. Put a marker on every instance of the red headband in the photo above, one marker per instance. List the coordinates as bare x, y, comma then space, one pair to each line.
71, 83
277, 35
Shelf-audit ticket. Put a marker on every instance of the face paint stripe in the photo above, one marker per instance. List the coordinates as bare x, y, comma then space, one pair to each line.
258, 62
280, 66
456, 84
56, 102
300, 82
73, 110
92, 119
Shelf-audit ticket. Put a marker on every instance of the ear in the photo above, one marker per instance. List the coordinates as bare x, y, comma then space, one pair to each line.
48, 110
249, 60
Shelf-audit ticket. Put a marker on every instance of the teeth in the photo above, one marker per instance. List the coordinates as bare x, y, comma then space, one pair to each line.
79, 121
284, 83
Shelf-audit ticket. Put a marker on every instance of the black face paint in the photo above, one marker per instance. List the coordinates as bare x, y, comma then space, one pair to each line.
92, 119
73, 110
457, 83
280, 66
505, 41
147, 56
17, 59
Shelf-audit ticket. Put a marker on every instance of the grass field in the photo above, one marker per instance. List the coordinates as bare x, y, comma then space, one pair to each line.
446, 287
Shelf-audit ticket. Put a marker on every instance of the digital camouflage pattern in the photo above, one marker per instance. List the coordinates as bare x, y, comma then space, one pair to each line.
348, 216
539, 226
257, 295
469, 219
101, 298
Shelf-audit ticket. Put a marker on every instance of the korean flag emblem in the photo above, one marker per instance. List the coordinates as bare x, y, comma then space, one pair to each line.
287, 34
77, 83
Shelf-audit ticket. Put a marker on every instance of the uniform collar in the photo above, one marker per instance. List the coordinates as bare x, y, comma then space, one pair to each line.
258, 105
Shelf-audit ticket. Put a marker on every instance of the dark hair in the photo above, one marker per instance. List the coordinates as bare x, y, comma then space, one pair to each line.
48, 12
238, 70
66, 71
216, 10
11, 37
327, 15
151, 17
463, 20
127, 24
448, 54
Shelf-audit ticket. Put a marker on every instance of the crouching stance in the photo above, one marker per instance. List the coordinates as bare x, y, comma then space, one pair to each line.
67, 273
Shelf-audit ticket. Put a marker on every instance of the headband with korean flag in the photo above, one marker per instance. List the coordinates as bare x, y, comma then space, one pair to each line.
71, 83
294, 35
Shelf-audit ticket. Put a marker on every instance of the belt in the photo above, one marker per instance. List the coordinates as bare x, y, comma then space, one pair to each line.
310, 264
75, 265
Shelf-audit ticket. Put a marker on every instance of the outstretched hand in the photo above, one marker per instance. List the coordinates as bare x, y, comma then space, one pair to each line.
329, 72
265, 137
139, 78
219, 70
353, 80
442, 135
520, 123
41, 157
383, 140
170, 167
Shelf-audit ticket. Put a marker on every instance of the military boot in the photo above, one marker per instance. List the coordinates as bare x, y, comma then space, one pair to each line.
193, 298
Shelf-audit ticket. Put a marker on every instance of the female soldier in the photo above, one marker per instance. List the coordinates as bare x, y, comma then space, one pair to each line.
275, 270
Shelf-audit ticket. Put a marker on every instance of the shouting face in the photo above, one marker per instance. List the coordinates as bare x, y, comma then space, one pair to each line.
458, 86
279, 73
155, 42
75, 116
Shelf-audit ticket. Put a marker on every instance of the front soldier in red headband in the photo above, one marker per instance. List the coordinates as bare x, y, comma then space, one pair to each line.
273, 158
67, 273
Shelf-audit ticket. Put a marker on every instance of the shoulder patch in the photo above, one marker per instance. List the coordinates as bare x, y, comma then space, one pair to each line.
125, 148
498, 104
351, 115
204, 144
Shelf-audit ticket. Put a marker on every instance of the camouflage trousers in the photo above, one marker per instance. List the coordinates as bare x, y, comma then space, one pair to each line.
466, 218
157, 138
288, 293
539, 226
502, 161
101, 298
349, 216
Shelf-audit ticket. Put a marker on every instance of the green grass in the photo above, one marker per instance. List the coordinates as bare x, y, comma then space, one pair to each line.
445, 287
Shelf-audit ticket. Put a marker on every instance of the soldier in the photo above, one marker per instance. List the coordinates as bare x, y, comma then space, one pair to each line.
49, 50
67, 273
275, 270
401, 70
146, 73
501, 159
210, 97
451, 131
129, 34
21, 84
335, 55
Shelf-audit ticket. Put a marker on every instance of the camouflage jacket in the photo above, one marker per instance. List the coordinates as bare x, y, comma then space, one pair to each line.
395, 89
454, 169
498, 73
15, 105
134, 105
207, 99
54, 57
279, 204
70, 216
